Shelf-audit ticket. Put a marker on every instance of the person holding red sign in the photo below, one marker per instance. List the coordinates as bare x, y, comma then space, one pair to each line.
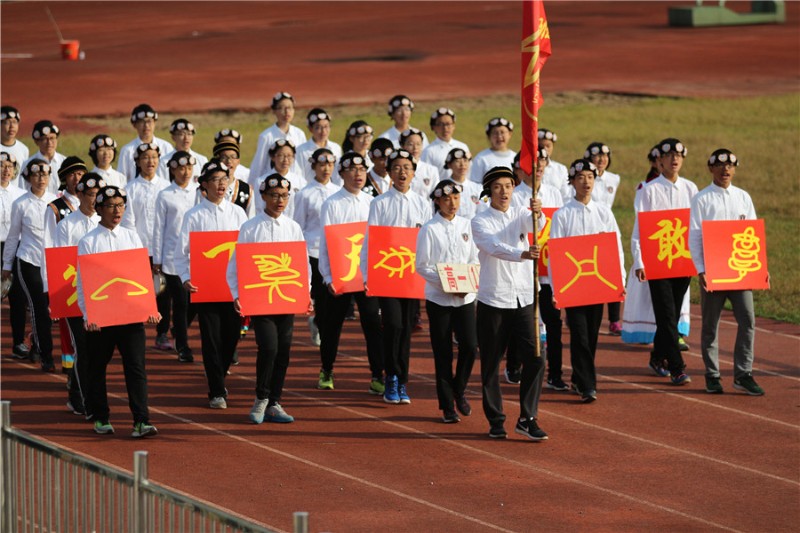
584, 216
667, 191
219, 321
723, 201
273, 332
505, 302
447, 238
350, 204
129, 339
398, 207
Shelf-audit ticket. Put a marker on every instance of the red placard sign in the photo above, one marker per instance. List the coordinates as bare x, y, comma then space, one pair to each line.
391, 261
735, 253
62, 281
209, 252
117, 287
543, 238
273, 277
586, 270
664, 240
344, 255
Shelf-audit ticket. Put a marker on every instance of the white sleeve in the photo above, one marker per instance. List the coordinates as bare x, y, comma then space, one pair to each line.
696, 236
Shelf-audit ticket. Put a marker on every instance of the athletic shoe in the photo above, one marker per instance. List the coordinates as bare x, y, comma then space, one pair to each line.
713, 385
76, 407
682, 345
401, 392
556, 384
449, 416
463, 406
390, 394
20, 351
376, 387
163, 343
589, 396
218, 402
615, 328
315, 340
747, 384
680, 379
48, 367
276, 414
513, 376
257, 412
658, 368
325, 380
143, 429
530, 429
102, 427
185, 355
497, 432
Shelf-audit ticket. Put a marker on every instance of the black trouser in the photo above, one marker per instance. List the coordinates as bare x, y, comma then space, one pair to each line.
552, 321
442, 322
318, 290
584, 326
79, 373
16, 304
274, 340
129, 339
613, 311
667, 296
30, 277
180, 311
332, 310
398, 318
219, 334
163, 305
496, 328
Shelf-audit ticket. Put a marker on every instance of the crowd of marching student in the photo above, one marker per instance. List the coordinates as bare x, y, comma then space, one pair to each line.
469, 210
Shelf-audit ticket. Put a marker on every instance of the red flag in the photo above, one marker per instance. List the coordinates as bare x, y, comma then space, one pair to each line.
535, 51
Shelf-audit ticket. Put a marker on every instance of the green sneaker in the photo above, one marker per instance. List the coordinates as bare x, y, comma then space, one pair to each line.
102, 427
713, 385
325, 380
377, 387
143, 429
747, 384
682, 346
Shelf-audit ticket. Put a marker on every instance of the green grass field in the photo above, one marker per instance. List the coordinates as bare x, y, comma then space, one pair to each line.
764, 132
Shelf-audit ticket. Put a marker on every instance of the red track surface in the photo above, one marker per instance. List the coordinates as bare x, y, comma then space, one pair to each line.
644, 457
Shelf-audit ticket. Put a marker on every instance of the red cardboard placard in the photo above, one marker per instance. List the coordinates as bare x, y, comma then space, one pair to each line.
209, 253
735, 253
391, 261
344, 255
585, 270
273, 278
62, 281
664, 240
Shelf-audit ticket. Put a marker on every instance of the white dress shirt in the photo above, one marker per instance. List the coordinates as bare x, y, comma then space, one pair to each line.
506, 280
470, 199
297, 181
435, 154
263, 228
69, 232
605, 188
112, 177
716, 203
20, 153
242, 173
376, 182
393, 134
171, 205
425, 179
444, 241
557, 176
25, 238
140, 212
7, 196
205, 216
307, 207
126, 165
487, 160
342, 207
261, 162
659, 195
55, 164
306, 150
51, 220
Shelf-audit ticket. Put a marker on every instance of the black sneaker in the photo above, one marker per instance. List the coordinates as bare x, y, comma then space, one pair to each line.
20, 351
589, 396
713, 385
747, 384
185, 355
497, 432
449, 416
513, 376
463, 406
530, 429
556, 384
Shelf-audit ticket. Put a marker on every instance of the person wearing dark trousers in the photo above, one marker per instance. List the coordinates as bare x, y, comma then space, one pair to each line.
9, 192
447, 238
219, 322
505, 302
350, 204
129, 339
25, 249
667, 191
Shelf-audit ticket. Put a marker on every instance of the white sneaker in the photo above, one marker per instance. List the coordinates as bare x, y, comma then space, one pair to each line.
218, 402
315, 338
257, 412
277, 414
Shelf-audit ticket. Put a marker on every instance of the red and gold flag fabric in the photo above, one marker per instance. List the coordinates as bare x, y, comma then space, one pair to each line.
391, 261
273, 278
536, 48
62, 281
735, 253
210, 252
664, 240
585, 270
344, 255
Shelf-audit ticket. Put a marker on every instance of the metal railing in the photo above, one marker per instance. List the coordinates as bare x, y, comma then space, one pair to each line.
45, 488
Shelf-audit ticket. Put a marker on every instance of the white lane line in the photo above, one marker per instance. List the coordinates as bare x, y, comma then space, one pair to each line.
757, 328
728, 362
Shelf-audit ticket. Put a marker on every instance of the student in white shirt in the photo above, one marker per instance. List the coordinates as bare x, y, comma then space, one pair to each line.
399, 109
172, 203
239, 191
282, 161
25, 247
556, 174
241, 172
447, 238
399, 207
17, 304
350, 204
182, 132
721, 200
499, 132
219, 321
129, 339
45, 135
425, 176
584, 216
378, 180
358, 138
319, 125
143, 120
283, 109
505, 302
443, 124
103, 150
273, 332
9, 128
458, 163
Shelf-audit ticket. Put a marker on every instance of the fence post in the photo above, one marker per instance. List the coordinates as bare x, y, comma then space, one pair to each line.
139, 495
7, 467
300, 521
